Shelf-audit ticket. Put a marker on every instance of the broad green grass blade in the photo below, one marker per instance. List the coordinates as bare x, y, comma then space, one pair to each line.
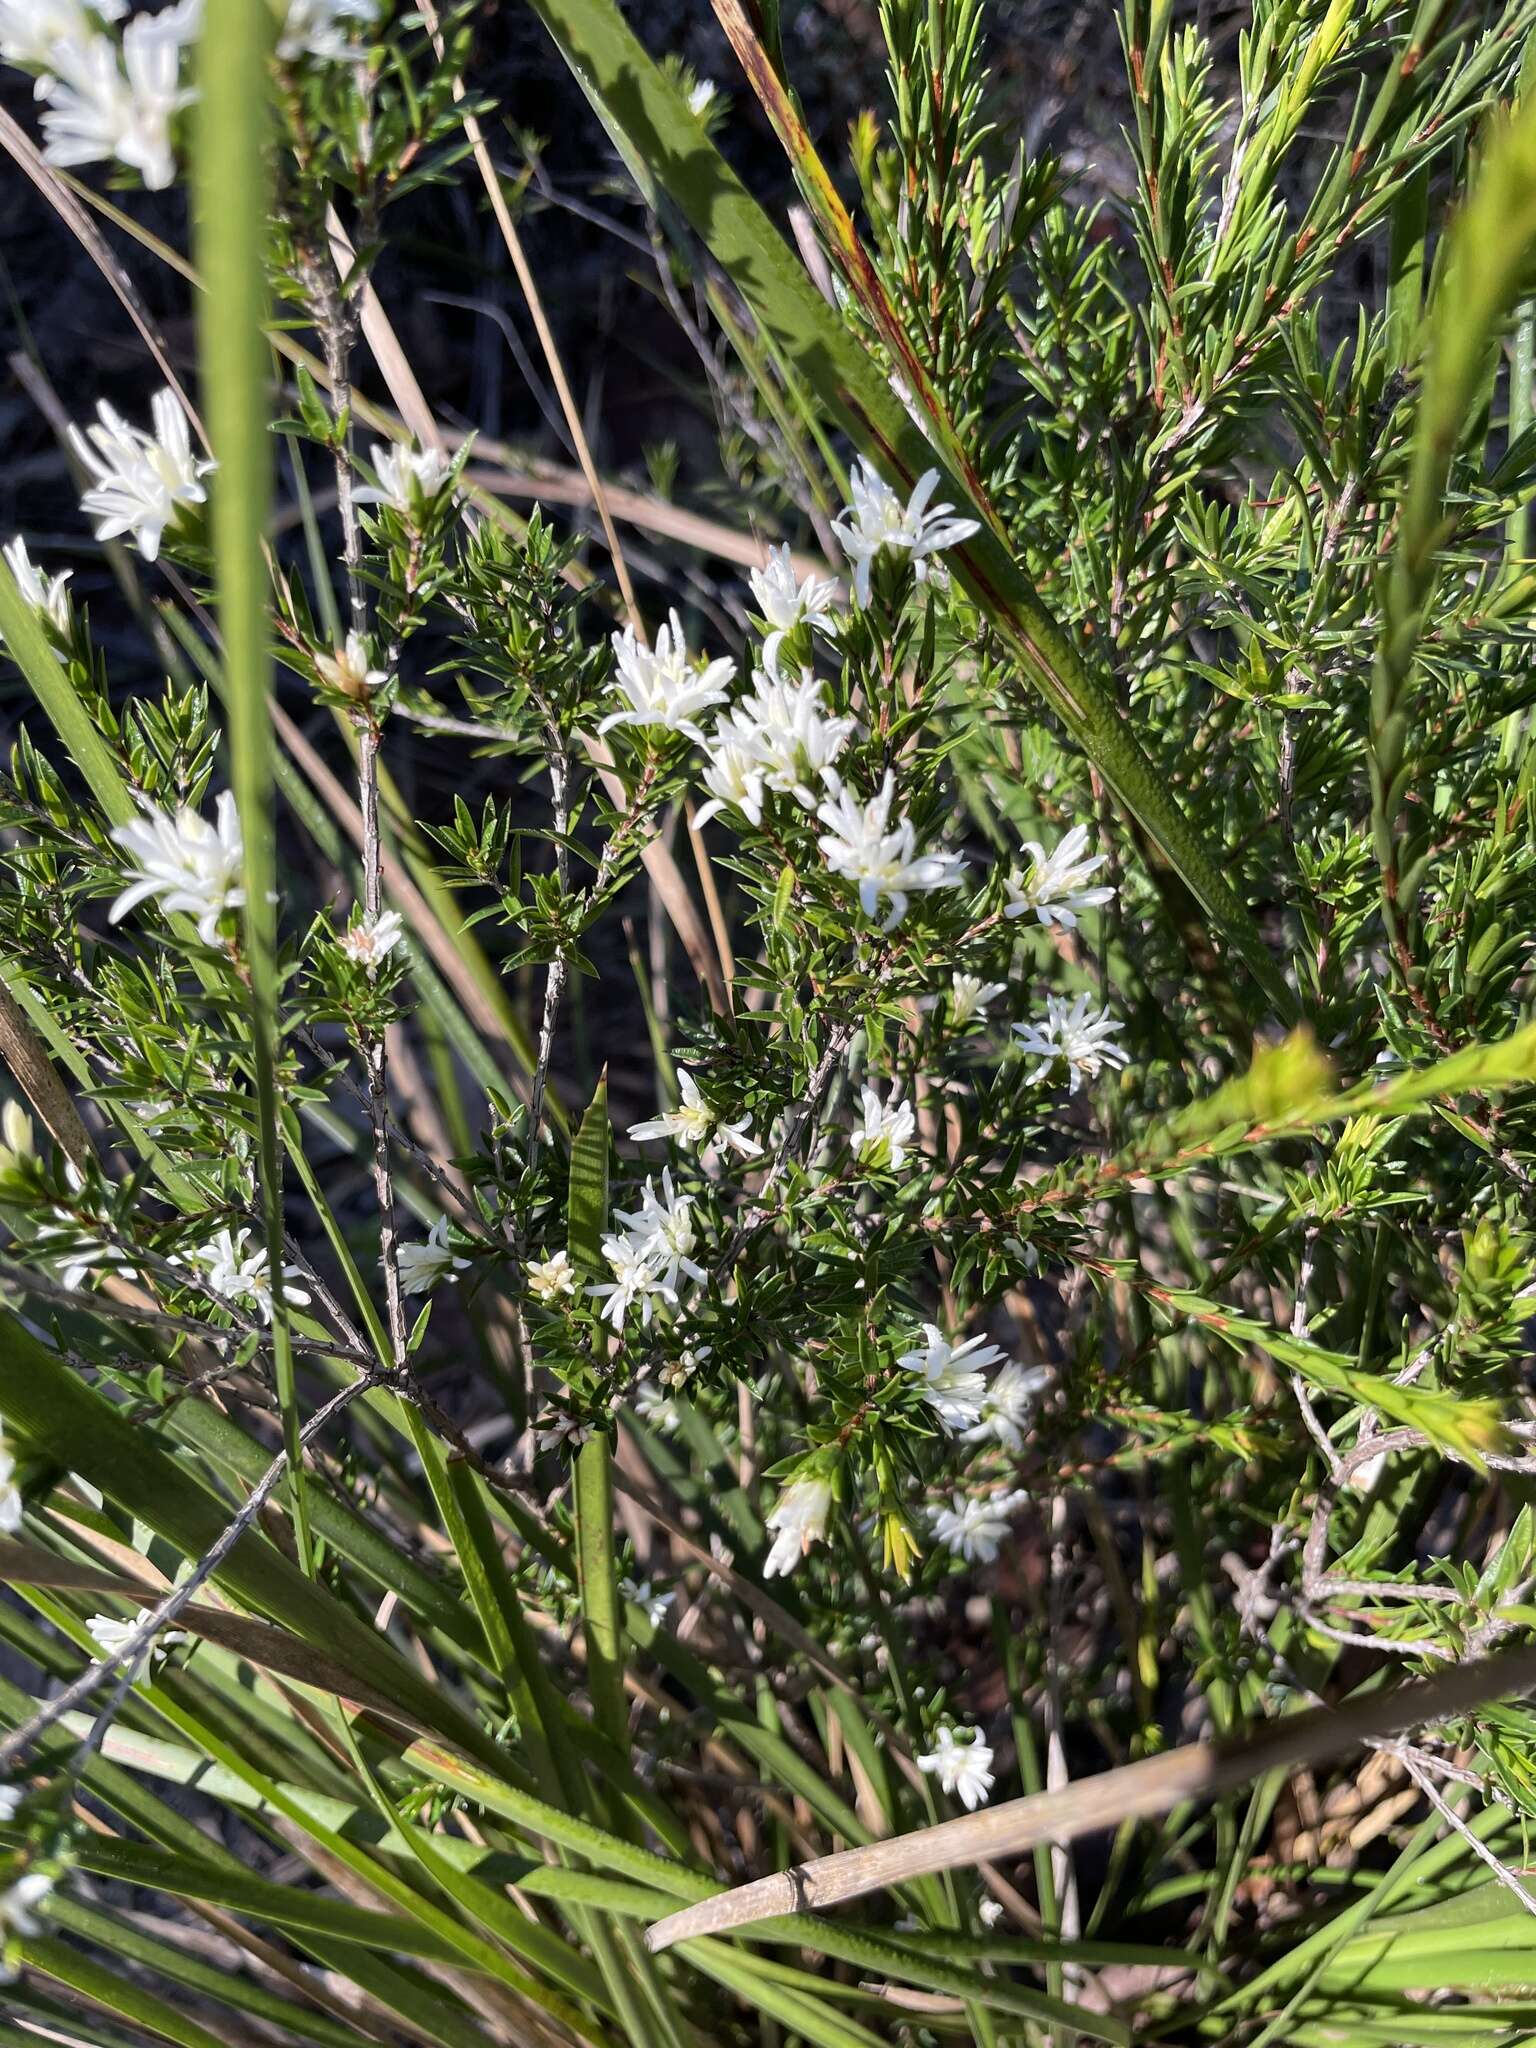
49, 682
114, 1994
230, 189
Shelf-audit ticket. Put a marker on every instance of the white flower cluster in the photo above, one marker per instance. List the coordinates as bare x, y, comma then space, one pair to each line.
112, 1637
1076, 1033
955, 1387
142, 480
880, 857
104, 100
1053, 890
407, 476
885, 1130
651, 1255
781, 739
192, 866
663, 686
552, 1279
976, 1528
18, 1911
240, 1273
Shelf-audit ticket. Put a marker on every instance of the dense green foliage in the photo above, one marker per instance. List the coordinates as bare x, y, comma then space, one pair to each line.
926, 1206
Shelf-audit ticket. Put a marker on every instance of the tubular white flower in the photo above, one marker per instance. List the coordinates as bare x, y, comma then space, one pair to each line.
953, 1376
976, 1529
969, 996
697, 1122
324, 29
240, 1273
785, 601
1074, 1032
1054, 889
30, 29
190, 865
45, 594
1009, 1406
141, 479
733, 773
98, 108
371, 941
861, 844
702, 96
877, 520
662, 685
406, 475
792, 733
423, 1264
885, 1130
549, 1279
797, 1519
11, 1504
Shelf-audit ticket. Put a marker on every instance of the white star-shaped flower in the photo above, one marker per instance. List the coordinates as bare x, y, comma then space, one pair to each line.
553, 1278
877, 520
953, 1376
370, 941
963, 1769
697, 1122
191, 866
663, 685
1055, 889
785, 600
862, 845
969, 997
976, 1529
141, 480
1009, 1406
885, 1130
240, 1273
1077, 1033
46, 595
423, 1265
408, 477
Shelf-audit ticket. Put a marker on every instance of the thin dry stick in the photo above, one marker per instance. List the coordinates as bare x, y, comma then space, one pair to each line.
1453, 1820
1138, 1791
